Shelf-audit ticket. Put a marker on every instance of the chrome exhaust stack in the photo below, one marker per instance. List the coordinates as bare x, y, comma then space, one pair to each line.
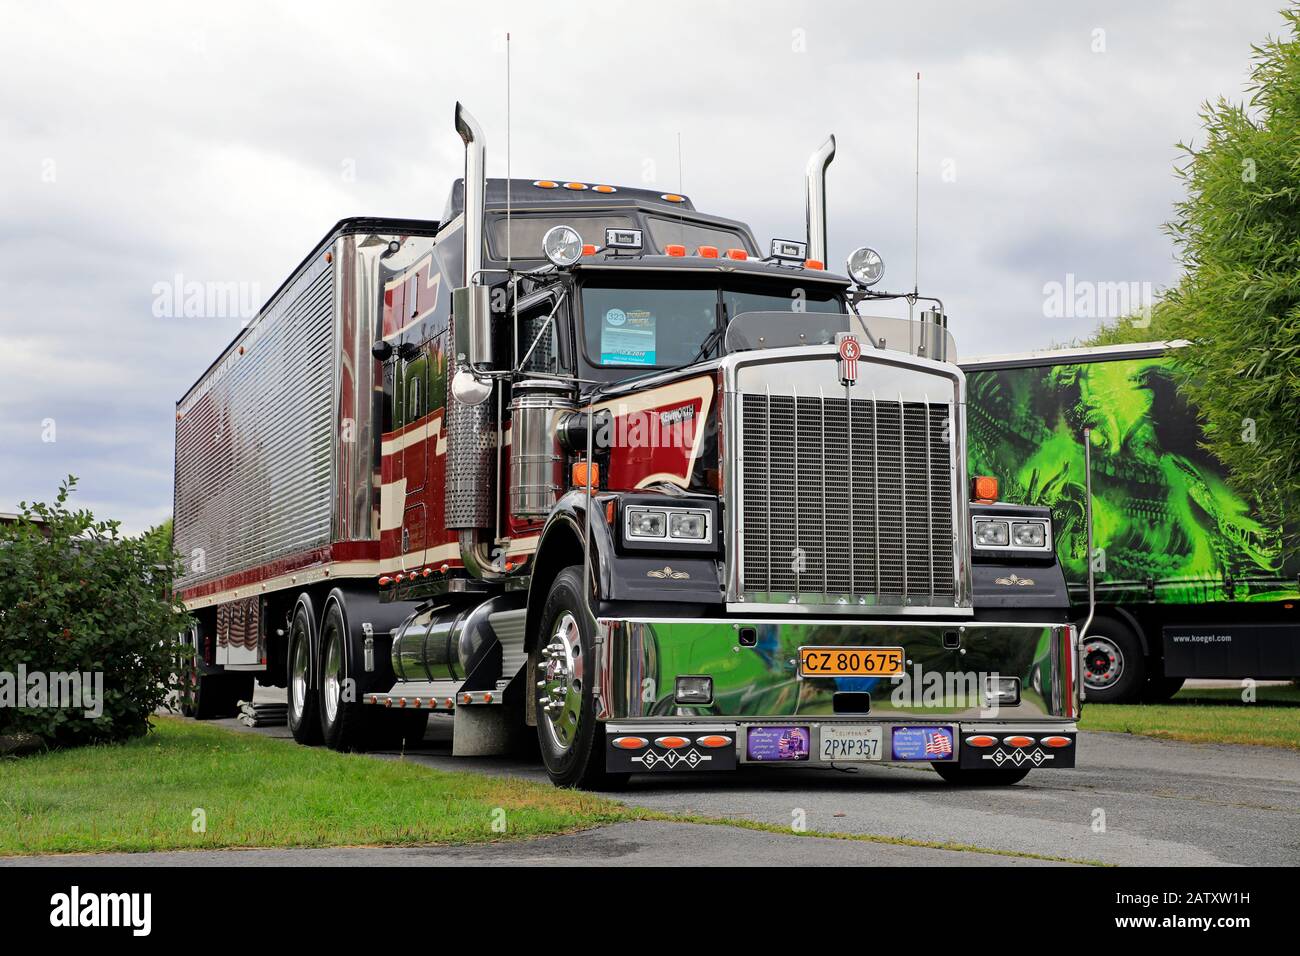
471, 433
815, 188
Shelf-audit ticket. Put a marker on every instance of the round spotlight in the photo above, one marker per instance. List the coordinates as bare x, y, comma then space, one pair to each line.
562, 245
866, 267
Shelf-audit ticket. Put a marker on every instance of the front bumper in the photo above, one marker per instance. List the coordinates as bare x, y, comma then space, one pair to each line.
769, 713
684, 745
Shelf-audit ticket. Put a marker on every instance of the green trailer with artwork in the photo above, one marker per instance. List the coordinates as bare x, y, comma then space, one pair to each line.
1190, 579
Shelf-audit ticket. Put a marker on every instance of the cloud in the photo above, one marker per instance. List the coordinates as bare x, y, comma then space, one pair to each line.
220, 142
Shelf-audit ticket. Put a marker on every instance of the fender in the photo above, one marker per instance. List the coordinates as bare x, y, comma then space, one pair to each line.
358, 609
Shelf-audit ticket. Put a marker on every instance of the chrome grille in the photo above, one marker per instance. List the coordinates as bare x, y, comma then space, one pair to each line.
846, 499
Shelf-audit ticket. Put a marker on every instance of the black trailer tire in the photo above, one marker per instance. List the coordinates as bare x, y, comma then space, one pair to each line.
963, 777
1114, 666
217, 695
346, 723
571, 740
304, 707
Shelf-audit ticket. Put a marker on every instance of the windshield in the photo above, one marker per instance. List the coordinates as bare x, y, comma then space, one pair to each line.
666, 328
772, 330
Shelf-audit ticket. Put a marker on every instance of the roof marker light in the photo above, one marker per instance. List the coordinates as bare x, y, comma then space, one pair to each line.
674, 250
707, 252
575, 186
816, 264
739, 254
588, 248
546, 184
672, 197
603, 189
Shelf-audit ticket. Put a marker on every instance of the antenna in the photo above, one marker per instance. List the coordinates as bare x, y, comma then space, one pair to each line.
916, 199
681, 220
509, 224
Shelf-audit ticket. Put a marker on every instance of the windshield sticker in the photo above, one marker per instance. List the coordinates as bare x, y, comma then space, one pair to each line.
627, 338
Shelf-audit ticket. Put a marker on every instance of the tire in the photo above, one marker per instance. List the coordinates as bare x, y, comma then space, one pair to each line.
345, 725
962, 777
571, 740
1160, 690
1114, 667
210, 694
304, 704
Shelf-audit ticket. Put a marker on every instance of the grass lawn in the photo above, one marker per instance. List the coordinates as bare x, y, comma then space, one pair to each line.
1207, 716
261, 792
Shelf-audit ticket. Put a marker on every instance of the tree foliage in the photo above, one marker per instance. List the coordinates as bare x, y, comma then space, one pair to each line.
77, 597
1238, 302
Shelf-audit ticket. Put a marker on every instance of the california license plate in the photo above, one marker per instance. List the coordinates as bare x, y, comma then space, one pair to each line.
850, 661
851, 742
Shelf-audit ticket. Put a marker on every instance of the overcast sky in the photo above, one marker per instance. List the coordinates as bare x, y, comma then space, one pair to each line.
219, 142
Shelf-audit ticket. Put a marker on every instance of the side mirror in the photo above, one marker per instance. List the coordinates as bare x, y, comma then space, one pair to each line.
382, 351
472, 318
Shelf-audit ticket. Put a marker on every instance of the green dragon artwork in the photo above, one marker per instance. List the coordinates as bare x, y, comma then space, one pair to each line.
1167, 525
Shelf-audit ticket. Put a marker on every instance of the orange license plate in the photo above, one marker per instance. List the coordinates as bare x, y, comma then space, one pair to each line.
851, 661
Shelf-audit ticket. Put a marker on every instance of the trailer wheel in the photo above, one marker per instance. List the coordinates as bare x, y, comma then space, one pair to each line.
304, 708
209, 695
963, 777
344, 721
568, 734
1114, 667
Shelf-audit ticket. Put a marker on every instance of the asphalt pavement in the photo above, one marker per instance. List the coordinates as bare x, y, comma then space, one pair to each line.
1131, 801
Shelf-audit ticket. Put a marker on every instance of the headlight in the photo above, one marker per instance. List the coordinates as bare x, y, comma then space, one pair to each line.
646, 524
688, 525
866, 268
1029, 534
562, 245
1012, 535
991, 534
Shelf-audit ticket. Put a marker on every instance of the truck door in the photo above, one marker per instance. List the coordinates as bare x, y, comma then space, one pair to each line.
414, 375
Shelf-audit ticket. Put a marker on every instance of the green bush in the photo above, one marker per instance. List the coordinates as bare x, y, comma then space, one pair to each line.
1238, 237
77, 597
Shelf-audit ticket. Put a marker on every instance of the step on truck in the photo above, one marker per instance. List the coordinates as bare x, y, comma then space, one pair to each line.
579, 463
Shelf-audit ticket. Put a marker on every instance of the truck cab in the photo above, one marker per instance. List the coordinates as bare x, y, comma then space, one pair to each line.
750, 529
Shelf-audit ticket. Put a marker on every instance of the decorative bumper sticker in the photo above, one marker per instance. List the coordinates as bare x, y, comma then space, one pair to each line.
922, 743
778, 743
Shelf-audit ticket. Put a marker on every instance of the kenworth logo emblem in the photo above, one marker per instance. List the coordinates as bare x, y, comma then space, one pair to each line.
850, 351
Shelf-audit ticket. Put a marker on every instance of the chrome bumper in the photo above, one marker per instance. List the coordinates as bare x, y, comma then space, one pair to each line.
754, 668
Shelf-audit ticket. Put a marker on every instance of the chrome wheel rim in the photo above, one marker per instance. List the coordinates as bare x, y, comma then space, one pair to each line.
333, 676
560, 677
1103, 662
298, 677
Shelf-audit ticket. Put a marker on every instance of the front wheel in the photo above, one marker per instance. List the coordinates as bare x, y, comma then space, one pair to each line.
962, 777
572, 741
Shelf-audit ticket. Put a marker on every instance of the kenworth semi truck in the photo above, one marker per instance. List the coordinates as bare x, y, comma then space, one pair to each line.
578, 461
1191, 578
